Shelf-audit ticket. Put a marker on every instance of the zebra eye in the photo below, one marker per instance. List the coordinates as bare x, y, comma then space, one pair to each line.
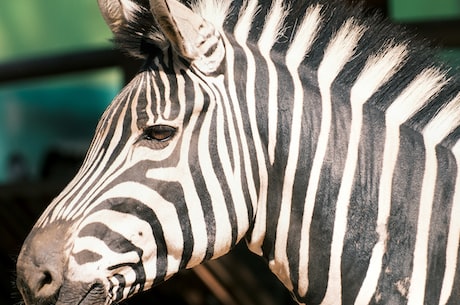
160, 133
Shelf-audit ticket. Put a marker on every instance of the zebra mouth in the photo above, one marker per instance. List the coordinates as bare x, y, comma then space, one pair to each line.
79, 293
95, 295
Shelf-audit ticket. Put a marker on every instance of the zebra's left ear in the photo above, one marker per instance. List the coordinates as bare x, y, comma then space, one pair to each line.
193, 38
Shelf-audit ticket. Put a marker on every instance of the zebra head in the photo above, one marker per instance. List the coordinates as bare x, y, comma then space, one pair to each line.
124, 223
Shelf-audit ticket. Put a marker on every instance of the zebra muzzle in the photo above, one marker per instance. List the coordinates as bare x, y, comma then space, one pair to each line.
41, 264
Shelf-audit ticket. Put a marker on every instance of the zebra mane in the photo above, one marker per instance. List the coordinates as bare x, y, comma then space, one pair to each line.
276, 24
280, 18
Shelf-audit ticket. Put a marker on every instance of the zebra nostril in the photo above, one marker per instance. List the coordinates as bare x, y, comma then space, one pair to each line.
45, 282
47, 278
38, 283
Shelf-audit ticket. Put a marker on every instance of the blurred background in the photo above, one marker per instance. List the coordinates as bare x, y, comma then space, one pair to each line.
58, 72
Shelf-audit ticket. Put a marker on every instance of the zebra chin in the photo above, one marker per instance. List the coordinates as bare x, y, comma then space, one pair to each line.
81, 293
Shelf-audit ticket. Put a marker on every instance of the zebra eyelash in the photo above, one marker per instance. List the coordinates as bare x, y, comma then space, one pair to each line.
158, 136
160, 133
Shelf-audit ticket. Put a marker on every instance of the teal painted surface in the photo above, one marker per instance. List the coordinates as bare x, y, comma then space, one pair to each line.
418, 10
452, 57
52, 114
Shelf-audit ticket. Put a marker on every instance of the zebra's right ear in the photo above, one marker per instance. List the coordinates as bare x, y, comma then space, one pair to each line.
192, 37
132, 25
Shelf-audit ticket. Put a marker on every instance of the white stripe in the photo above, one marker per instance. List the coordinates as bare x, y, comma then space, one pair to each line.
124, 158
213, 11
414, 97
243, 26
166, 94
241, 34
147, 153
93, 156
191, 198
342, 47
129, 225
435, 131
158, 96
148, 98
337, 54
113, 293
156, 91
305, 36
92, 172
84, 272
453, 239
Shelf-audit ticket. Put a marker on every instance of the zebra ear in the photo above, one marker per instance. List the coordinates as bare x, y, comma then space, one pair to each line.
112, 11
193, 38
132, 25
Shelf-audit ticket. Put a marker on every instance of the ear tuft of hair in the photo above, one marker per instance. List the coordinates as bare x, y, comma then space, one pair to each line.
138, 35
133, 26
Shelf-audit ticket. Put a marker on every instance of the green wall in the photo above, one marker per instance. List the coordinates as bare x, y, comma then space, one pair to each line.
33, 27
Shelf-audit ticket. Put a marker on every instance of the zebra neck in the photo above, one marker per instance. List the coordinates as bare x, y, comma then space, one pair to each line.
327, 103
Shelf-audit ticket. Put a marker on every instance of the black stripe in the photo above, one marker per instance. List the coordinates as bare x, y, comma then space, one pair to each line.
402, 223
439, 226
276, 173
310, 131
86, 256
361, 233
326, 197
219, 172
117, 243
240, 64
455, 295
144, 213
142, 102
199, 181
171, 72
114, 241
121, 286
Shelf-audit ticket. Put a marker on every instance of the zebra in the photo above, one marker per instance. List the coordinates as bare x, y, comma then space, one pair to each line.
319, 134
